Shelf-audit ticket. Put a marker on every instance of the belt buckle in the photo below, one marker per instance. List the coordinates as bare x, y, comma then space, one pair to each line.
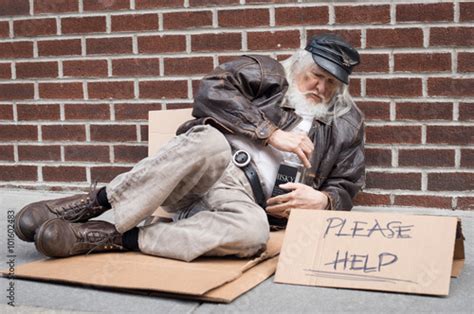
241, 158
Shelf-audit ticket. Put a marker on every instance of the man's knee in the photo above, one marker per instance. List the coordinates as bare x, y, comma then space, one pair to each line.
253, 238
208, 140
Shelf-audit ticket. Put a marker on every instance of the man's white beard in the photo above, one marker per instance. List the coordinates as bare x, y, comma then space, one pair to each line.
303, 105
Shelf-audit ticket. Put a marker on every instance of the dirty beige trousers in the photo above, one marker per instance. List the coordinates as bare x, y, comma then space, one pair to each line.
193, 177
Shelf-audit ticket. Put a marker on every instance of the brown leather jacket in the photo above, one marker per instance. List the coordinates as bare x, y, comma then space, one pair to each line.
246, 96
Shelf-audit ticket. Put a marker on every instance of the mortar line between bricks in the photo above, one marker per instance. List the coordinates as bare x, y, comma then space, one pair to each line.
418, 123
419, 170
214, 18
81, 7
189, 54
433, 146
160, 22
424, 181
15, 111
87, 128
88, 175
426, 75
454, 202
56, 163
457, 158
40, 174
69, 144
144, 122
11, 31
130, 122
464, 214
32, 7
392, 199
40, 134
234, 7
418, 192
15, 153
454, 61
257, 29
393, 13
58, 26
35, 90
385, 76
138, 134
20, 185
456, 12
108, 24
408, 99
99, 101
62, 153
455, 110
172, 10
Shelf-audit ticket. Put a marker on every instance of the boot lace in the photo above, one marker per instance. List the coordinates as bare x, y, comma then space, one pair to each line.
80, 209
101, 240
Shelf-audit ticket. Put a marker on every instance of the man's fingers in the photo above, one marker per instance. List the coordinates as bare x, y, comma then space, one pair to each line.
299, 152
290, 185
308, 141
307, 151
279, 199
277, 208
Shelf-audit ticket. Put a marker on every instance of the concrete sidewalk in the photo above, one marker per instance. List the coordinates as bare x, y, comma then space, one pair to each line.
268, 297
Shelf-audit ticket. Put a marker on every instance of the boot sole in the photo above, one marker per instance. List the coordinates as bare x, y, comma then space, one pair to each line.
38, 242
18, 232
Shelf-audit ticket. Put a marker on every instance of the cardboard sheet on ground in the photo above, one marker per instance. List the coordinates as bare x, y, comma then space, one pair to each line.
211, 279
373, 251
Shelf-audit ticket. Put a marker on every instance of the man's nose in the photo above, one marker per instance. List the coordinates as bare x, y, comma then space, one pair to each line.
320, 86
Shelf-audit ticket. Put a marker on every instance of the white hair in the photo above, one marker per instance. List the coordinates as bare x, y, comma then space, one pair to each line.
299, 62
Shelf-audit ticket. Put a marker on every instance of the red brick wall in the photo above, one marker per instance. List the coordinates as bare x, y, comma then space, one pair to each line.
77, 78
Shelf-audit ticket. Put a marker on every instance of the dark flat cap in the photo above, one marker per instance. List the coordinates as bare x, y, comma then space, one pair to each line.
334, 55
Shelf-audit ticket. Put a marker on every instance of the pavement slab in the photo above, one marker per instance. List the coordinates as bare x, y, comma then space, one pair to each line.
268, 297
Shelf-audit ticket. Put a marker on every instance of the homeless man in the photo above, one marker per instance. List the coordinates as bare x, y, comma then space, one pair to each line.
250, 109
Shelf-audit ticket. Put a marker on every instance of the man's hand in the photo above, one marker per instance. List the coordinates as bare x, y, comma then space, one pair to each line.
301, 196
298, 143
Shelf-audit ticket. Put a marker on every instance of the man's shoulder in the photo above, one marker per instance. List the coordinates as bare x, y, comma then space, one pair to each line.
354, 117
265, 63
350, 126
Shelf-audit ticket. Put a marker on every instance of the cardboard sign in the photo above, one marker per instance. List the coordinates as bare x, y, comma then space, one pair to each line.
373, 251
162, 125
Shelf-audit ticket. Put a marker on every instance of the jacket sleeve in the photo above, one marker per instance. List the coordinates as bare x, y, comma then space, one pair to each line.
348, 175
228, 96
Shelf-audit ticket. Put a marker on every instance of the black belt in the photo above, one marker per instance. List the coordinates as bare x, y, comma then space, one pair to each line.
242, 160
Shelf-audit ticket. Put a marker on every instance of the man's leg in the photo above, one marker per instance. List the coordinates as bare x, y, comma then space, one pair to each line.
181, 172
225, 221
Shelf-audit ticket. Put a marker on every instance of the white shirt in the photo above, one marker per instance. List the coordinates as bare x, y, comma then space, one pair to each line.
267, 159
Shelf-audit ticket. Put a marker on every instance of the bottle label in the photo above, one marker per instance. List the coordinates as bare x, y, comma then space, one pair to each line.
286, 173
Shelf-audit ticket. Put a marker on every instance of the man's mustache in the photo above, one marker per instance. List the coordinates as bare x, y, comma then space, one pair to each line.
309, 93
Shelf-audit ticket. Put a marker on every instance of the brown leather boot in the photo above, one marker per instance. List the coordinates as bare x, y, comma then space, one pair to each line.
60, 238
77, 208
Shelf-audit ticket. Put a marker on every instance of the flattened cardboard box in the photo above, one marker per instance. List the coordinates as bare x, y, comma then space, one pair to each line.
373, 251
210, 279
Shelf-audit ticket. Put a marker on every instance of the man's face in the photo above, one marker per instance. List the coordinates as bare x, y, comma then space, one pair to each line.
316, 84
